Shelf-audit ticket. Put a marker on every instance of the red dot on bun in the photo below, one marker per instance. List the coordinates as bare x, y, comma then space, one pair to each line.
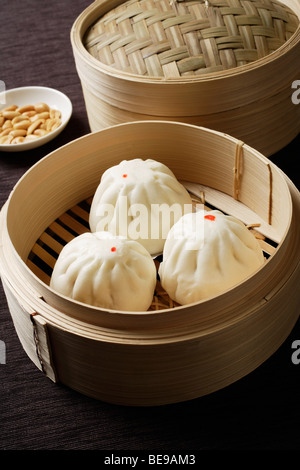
209, 217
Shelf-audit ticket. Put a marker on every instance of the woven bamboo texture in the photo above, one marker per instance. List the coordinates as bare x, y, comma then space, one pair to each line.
170, 39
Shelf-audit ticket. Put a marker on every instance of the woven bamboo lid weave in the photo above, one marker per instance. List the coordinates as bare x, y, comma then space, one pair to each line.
178, 38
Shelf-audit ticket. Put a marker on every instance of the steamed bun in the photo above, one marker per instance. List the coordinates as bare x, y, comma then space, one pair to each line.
205, 254
141, 200
105, 271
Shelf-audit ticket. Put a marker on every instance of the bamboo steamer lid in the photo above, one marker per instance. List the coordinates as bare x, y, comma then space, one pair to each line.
177, 38
227, 65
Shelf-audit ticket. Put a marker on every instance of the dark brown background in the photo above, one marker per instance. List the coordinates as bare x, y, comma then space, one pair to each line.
260, 411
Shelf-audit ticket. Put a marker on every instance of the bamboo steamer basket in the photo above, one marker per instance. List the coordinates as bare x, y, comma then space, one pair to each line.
170, 353
137, 60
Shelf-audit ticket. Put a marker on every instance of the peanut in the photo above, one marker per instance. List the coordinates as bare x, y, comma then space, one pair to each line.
55, 114
12, 107
56, 124
7, 124
10, 114
29, 114
26, 123
25, 109
30, 137
49, 124
34, 117
18, 140
44, 115
17, 119
40, 132
7, 139
18, 132
22, 124
34, 125
41, 107
5, 131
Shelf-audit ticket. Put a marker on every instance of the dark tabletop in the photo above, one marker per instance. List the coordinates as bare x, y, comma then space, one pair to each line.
260, 411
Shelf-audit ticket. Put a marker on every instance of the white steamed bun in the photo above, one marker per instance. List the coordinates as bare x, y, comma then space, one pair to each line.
205, 254
141, 200
105, 271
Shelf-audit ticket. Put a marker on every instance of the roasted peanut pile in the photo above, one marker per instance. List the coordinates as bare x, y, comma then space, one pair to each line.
27, 123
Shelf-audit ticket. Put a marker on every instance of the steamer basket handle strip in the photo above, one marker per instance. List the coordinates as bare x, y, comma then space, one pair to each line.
32, 329
42, 343
237, 170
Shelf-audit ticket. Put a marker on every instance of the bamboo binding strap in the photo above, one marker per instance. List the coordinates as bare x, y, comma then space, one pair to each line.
237, 173
270, 193
175, 38
237, 169
42, 345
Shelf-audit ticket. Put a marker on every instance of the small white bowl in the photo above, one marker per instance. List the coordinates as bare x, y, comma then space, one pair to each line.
31, 95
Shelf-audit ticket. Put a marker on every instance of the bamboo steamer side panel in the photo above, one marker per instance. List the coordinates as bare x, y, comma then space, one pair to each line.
146, 373
140, 374
205, 96
31, 330
267, 138
22, 323
30, 327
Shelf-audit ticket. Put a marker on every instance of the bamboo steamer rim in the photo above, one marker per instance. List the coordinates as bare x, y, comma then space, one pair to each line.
104, 327
100, 7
